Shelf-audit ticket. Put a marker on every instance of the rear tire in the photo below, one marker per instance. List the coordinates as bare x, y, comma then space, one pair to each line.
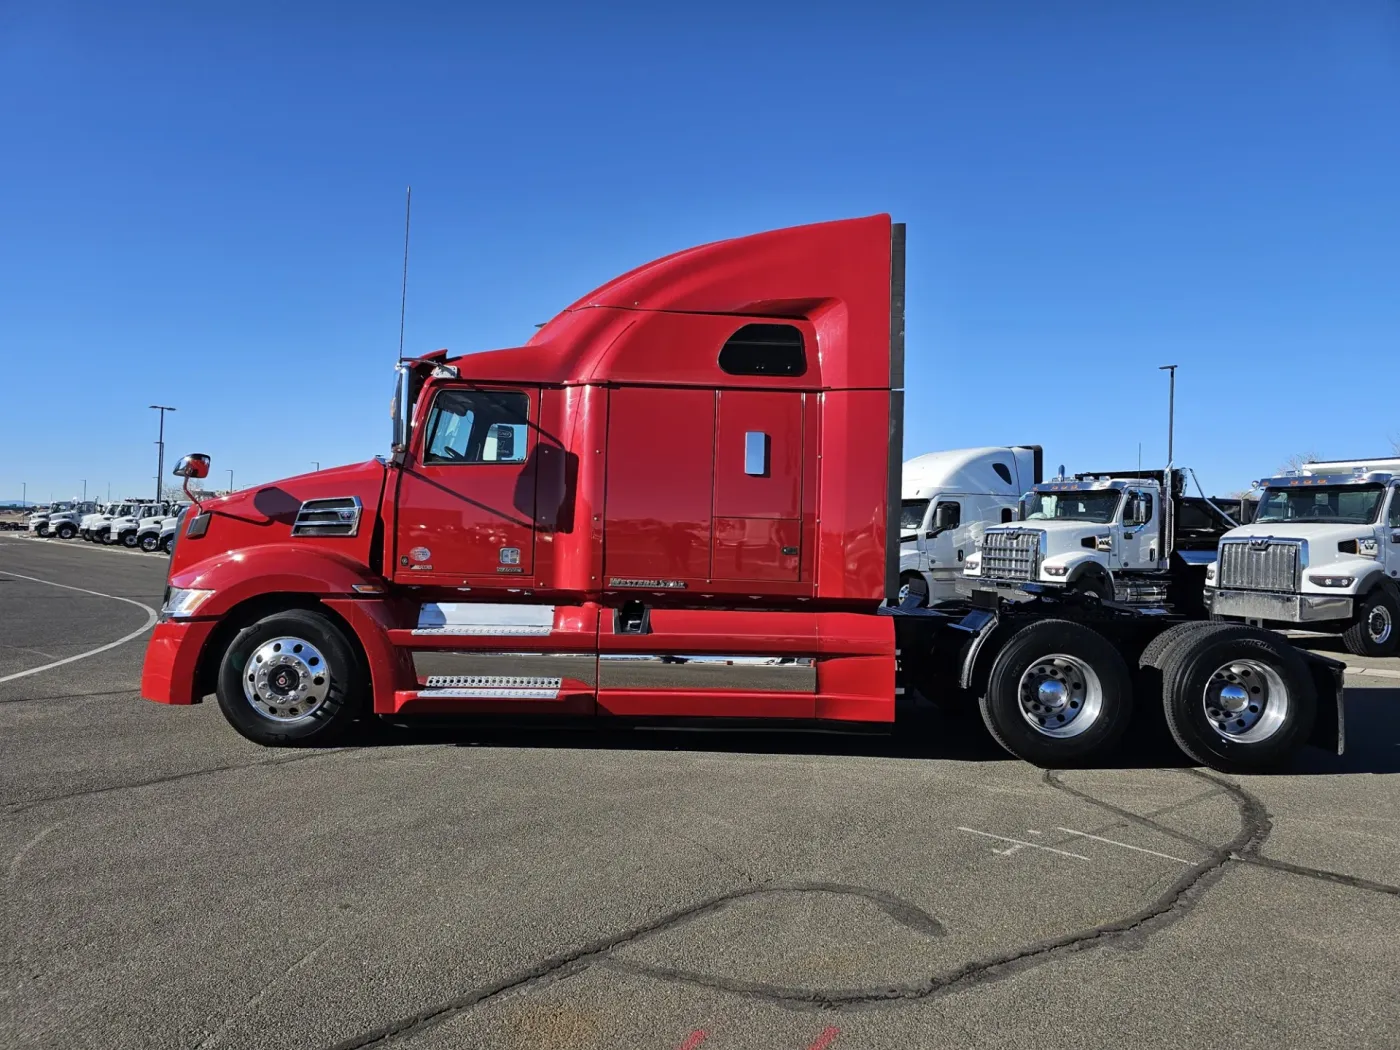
1058, 694
292, 678
1376, 631
1238, 699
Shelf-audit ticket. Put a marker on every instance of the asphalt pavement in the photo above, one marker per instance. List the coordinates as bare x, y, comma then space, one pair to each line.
171, 885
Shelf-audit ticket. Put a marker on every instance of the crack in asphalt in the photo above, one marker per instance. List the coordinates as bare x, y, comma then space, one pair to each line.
19, 807
1170, 906
1250, 855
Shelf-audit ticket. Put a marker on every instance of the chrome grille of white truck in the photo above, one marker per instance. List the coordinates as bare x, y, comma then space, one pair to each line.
1011, 555
1261, 564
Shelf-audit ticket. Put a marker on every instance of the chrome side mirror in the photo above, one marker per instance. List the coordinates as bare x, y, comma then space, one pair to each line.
195, 465
400, 410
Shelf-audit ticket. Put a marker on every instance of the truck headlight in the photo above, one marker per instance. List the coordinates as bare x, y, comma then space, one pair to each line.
1056, 570
1210, 571
1332, 581
183, 603
973, 564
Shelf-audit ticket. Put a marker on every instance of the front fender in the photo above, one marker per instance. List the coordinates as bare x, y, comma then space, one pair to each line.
236, 576
1077, 564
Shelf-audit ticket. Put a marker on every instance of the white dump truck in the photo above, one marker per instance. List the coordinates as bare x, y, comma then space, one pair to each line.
1127, 536
1322, 554
948, 499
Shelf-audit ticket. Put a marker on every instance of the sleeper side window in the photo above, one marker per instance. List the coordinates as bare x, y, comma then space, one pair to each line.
764, 350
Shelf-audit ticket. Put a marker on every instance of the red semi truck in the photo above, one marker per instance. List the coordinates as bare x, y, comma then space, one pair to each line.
678, 500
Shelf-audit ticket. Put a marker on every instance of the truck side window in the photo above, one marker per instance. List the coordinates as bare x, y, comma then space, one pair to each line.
764, 350
1146, 498
1394, 516
477, 426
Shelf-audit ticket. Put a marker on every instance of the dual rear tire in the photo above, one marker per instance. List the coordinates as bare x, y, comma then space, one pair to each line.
1235, 698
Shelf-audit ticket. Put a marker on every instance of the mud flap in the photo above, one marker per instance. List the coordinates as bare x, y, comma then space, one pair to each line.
1328, 675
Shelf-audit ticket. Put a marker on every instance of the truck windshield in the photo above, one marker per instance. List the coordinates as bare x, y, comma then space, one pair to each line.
1343, 504
1098, 507
911, 514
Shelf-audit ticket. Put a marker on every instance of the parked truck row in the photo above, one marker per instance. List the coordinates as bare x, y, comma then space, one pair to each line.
147, 525
685, 498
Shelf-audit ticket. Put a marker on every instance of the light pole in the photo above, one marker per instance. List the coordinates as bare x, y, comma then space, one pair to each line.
84, 490
24, 499
160, 444
317, 463
230, 479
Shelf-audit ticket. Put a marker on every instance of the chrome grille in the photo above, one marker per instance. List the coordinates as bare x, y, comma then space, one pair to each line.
1011, 555
339, 516
1260, 565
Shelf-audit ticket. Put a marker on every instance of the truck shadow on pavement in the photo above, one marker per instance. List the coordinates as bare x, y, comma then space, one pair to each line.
1372, 721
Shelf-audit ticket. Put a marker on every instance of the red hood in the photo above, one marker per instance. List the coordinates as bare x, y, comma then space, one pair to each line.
265, 514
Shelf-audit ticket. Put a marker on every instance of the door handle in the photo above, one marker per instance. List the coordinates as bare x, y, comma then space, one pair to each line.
960, 553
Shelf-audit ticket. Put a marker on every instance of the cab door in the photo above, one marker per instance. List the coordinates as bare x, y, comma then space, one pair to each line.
1390, 536
466, 499
1140, 532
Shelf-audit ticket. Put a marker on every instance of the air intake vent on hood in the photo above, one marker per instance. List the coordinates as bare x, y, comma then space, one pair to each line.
328, 517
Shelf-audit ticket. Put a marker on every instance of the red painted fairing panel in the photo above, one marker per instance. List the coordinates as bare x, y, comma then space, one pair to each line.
168, 673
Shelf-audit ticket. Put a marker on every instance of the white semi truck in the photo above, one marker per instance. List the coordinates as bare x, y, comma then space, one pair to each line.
948, 498
125, 528
59, 519
1322, 554
1127, 536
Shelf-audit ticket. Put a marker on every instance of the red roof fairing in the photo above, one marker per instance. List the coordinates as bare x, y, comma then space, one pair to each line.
836, 275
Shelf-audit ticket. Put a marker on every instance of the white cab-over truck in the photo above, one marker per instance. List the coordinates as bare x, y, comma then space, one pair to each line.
948, 498
1322, 554
1128, 536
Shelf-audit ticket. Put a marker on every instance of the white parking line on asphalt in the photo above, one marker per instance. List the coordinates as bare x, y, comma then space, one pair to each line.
80, 545
150, 622
1115, 842
1022, 842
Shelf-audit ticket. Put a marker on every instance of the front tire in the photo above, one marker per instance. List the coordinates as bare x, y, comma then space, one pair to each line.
167, 545
1095, 583
292, 678
1238, 699
1059, 694
66, 531
1376, 630
150, 543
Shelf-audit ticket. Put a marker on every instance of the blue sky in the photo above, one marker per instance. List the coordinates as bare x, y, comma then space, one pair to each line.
201, 206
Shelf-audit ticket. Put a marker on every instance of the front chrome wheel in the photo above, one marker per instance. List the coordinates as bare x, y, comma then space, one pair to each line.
1379, 625
1060, 696
1246, 701
286, 679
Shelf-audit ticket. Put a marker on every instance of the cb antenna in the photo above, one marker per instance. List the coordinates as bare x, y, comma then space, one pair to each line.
403, 294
